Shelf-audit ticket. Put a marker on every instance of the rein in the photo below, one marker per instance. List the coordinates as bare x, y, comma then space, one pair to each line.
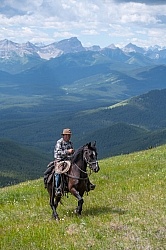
80, 169
78, 178
74, 177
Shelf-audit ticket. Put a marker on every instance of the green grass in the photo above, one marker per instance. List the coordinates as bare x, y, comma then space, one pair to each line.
126, 211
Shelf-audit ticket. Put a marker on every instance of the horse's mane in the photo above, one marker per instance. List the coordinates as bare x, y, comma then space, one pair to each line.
77, 154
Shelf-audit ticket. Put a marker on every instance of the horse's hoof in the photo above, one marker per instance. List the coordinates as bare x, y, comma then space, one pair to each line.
77, 212
55, 217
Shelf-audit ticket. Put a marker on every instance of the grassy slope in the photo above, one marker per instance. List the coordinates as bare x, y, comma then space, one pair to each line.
126, 211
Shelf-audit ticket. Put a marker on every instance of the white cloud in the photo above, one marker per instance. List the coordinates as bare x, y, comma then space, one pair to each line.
93, 21
149, 2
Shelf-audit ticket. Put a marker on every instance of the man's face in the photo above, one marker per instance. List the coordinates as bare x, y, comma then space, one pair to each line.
66, 137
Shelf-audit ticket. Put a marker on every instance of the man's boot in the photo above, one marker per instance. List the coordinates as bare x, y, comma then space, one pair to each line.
58, 191
57, 185
92, 186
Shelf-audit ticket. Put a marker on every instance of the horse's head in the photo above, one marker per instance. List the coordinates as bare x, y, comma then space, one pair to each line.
90, 156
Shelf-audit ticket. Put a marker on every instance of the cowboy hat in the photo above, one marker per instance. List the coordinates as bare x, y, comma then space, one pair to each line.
66, 131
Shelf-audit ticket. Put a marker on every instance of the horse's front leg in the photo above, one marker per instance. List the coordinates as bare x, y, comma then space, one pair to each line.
78, 209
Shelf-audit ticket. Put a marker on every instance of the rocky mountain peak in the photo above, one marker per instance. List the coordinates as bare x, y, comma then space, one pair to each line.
70, 45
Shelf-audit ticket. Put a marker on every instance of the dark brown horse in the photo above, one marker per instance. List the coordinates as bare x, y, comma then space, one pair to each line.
77, 177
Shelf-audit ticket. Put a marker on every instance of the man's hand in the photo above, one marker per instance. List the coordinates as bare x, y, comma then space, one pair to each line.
70, 151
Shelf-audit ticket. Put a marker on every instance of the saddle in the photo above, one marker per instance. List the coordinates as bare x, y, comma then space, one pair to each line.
53, 167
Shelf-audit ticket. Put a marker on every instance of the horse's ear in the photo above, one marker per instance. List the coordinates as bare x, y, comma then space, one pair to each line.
88, 144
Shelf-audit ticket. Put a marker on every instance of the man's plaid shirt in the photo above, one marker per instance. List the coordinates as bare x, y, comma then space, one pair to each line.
60, 150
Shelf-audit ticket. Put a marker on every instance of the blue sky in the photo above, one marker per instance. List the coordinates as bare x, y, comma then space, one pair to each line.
93, 22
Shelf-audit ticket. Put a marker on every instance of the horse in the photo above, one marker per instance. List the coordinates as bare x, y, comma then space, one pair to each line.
76, 178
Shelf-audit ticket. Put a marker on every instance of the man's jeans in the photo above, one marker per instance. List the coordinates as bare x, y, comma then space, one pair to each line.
57, 180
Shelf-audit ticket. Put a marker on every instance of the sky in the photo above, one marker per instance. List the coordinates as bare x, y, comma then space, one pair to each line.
93, 22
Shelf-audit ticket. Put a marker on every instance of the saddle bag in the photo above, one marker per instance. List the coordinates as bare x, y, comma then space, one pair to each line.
48, 173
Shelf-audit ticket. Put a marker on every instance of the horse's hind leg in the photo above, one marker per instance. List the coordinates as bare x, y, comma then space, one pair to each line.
54, 203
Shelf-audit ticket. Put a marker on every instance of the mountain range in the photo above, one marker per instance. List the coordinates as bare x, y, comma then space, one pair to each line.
77, 74
116, 96
15, 57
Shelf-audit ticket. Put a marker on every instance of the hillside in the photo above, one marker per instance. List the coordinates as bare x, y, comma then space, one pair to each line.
135, 124
18, 163
122, 138
147, 111
127, 210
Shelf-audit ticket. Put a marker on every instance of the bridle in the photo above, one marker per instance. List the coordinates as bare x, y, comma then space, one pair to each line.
90, 163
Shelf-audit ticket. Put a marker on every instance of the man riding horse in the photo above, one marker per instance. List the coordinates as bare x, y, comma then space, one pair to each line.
64, 151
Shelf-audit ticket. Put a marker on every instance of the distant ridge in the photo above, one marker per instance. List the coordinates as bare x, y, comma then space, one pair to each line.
18, 163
